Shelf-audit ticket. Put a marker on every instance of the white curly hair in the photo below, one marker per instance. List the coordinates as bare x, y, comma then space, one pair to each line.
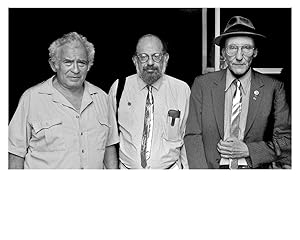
67, 38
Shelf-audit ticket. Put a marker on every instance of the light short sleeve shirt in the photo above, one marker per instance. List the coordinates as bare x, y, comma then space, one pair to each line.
49, 133
167, 146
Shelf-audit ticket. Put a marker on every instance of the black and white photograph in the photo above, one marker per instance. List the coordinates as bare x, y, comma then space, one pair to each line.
197, 88
193, 114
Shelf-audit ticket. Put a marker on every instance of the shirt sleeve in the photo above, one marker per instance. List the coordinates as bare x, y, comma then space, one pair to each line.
112, 95
113, 136
183, 156
19, 130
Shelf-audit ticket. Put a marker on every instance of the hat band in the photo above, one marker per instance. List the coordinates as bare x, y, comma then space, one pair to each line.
239, 28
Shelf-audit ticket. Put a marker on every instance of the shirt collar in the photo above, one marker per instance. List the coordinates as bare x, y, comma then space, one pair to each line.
47, 87
156, 85
245, 80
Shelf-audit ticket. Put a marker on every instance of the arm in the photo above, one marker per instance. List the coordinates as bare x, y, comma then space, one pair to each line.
111, 155
19, 133
193, 134
110, 158
15, 162
112, 96
280, 145
183, 156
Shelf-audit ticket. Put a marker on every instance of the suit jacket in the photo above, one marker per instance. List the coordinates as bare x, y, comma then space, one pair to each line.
267, 132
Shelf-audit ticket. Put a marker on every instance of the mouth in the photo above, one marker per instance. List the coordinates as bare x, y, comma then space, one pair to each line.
73, 77
239, 64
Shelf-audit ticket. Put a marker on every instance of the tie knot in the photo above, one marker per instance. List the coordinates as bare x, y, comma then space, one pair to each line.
237, 82
149, 88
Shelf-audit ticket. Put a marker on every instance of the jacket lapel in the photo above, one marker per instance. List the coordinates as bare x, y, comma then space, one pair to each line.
255, 96
218, 97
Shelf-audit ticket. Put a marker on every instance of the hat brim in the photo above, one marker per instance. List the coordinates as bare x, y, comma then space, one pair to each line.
218, 40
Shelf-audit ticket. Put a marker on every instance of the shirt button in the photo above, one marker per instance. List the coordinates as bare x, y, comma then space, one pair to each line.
81, 133
77, 116
82, 151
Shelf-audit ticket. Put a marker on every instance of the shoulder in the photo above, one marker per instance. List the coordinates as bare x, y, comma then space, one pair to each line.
42, 87
207, 80
177, 83
209, 76
94, 89
267, 80
130, 80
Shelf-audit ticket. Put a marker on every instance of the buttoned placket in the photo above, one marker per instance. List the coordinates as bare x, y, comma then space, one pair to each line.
82, 145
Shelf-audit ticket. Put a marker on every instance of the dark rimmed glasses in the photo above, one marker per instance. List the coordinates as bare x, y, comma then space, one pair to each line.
144, 57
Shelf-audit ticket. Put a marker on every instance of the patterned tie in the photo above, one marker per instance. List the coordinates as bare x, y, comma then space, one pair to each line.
148, 128
235, 118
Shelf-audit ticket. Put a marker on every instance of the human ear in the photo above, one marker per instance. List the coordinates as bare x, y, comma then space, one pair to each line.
255, 52
165, 63
134, 60
53, 65
223, 53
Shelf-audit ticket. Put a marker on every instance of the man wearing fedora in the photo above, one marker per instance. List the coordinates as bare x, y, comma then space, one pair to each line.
238, 117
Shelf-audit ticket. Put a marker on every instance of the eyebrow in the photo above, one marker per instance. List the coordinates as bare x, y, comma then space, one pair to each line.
72, 60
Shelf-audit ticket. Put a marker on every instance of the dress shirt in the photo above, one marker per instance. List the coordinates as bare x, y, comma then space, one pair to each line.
229, 92
167, 149
49, 133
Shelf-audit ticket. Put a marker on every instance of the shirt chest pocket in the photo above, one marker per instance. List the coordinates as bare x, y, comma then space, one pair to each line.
47, 135
172, 128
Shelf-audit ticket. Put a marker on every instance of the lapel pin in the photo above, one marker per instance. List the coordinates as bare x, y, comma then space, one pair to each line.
129, 103
255, 94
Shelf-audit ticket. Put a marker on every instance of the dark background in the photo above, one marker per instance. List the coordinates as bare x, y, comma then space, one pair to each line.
114, 33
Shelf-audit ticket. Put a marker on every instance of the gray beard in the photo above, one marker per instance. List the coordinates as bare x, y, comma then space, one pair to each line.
150, 78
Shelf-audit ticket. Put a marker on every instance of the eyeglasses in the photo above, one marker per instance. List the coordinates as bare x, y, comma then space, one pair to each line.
232, 50
144, 57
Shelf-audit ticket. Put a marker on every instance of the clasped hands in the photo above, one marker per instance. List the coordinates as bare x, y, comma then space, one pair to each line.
232, 148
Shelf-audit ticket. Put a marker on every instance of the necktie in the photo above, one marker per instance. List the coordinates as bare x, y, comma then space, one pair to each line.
148, 128
235, 118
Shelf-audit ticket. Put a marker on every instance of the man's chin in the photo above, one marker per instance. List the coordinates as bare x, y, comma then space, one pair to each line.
239, 71
150, 78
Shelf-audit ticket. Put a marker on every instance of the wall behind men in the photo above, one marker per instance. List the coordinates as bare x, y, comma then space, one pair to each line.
114, 33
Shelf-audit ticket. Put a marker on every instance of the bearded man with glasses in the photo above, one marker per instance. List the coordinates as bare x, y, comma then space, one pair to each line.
152, 111
239, 118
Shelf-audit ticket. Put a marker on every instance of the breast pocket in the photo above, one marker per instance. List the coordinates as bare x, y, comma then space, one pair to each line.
172, 129
47, 135
102, 131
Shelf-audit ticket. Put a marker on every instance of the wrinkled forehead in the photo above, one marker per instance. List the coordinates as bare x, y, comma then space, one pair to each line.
149, 45
240, 40
74, 48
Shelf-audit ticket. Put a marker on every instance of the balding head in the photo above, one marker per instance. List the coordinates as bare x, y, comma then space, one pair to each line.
150, 59
151, 41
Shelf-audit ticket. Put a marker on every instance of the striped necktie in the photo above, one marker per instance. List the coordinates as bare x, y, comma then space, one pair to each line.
235, 118
148, 128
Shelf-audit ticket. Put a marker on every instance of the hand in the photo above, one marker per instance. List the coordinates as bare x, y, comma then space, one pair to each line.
232, 148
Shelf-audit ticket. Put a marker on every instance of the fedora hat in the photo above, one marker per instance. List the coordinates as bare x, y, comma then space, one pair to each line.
238, 26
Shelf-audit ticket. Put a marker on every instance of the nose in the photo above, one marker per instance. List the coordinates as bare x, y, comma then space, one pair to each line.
150, 61
239, 54
75, 68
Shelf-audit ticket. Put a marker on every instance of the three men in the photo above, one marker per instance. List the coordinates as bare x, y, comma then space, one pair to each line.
152, 111
64, 122
238, 118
